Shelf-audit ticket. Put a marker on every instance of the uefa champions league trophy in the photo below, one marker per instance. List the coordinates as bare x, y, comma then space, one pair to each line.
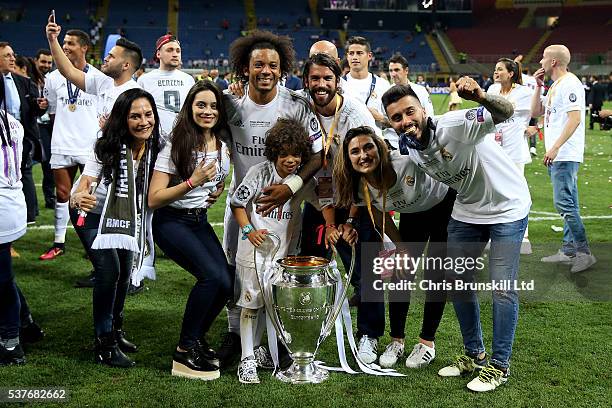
302, 298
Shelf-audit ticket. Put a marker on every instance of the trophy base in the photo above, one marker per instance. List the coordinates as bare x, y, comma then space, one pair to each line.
303, 374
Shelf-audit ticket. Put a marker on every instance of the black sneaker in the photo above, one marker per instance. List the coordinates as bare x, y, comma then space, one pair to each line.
31, 333
15, 356
230, 349
190, 364
134, 290
86, 282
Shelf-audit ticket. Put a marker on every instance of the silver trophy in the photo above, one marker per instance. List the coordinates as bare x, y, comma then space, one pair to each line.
302, 298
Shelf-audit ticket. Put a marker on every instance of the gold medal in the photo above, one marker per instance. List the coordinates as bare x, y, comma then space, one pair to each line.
71, 107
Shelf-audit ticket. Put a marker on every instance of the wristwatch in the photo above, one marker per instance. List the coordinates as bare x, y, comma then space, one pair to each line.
352, 221
246, 230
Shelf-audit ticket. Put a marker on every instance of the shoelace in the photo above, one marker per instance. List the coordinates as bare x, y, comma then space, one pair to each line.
463, 360
489, 373
249, 369
366, 343
394, 347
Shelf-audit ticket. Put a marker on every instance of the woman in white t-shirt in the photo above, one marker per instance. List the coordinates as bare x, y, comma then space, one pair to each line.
510, 134
121, 164
188, 178
367, 175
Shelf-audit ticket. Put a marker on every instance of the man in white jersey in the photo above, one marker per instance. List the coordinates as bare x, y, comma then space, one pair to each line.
492, 201
75, 126
365, 86
399, 71
564, 133
262, 59
168, 84
116, 76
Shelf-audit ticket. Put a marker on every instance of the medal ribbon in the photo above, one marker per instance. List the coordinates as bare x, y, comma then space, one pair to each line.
73, 95
329, 136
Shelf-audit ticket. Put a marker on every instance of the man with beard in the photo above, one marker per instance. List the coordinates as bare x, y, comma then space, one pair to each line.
338, 114
168, 84
116, 76
492, 201
399, 71
75, 125
44, 62
262, 59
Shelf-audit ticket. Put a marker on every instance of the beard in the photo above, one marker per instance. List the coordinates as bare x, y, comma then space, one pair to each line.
316, 98
113, 72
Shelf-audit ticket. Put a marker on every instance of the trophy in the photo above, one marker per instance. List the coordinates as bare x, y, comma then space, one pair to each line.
302, 299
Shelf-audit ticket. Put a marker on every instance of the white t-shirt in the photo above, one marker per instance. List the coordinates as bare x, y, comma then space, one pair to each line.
413, 191
74, 133
288, 227
360, 89
490, 188
249, 123
197, 197
13, 214
510, 134
425, 100
97, 83
169, 89
565, 95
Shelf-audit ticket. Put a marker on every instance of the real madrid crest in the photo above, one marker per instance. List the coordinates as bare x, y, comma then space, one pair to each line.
409, 180
446, 154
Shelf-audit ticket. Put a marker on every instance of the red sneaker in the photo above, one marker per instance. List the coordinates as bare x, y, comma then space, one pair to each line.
52, 253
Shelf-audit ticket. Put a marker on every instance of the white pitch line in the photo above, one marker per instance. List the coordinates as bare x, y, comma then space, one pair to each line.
543, 212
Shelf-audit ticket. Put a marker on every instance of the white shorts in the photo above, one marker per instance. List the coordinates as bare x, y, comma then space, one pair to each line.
62, 161
250, 293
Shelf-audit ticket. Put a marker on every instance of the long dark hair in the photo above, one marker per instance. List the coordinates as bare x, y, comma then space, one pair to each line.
187, 135
116, 132
347, 180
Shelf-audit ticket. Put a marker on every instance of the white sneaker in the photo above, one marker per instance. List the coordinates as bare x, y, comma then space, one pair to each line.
526, 247
463, 365
582, 262
533, 151
421, 356
559, 257
263, 358
247, 371
488, 379
394, 350
367, 349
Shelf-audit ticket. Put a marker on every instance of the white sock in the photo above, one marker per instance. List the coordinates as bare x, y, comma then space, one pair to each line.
233, 319
61, 221
248, 319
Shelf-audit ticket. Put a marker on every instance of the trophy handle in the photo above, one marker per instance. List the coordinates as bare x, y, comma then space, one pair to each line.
266, 290
338, 307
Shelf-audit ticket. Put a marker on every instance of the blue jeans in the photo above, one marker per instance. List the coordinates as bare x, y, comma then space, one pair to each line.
112, 268
469, 240
9, 296
564, 176
191, 242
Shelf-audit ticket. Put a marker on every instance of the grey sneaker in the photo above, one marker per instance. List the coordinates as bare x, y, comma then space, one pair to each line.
582, 262
367, 349
263, 358
389, 357
559, 257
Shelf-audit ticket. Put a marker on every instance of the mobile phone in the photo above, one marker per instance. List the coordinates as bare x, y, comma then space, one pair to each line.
53, 15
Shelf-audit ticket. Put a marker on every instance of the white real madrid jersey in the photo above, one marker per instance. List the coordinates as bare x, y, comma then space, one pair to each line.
12, 201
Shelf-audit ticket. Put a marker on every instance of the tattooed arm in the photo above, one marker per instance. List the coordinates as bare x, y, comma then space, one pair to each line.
499, 108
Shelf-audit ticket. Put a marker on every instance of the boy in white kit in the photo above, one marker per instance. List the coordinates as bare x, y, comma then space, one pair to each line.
286, 147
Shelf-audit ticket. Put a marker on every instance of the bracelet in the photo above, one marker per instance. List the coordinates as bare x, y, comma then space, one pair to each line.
246, 230
189, 184
294, 182
352, 221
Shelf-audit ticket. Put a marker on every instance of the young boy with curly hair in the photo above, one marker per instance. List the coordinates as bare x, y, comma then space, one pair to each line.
286, 148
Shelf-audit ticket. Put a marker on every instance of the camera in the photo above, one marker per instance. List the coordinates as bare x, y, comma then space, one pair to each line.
604, 123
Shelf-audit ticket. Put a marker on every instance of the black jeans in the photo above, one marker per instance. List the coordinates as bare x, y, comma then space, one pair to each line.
48, 183
190, 241
112, 268
9, 296
416, 229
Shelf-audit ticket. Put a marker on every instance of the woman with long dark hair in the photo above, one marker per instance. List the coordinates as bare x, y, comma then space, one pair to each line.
115, 225
367, 174
188, 177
